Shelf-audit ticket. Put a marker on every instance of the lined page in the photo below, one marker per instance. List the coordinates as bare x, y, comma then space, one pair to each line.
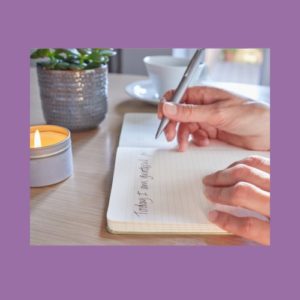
157, 190
139, 131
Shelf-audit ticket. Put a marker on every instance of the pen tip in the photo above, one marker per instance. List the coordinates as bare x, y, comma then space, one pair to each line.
158, 133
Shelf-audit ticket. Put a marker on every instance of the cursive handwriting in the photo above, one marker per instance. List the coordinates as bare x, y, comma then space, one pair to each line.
144, 200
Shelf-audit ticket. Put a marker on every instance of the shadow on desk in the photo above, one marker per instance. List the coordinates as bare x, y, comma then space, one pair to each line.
134, 106
171, 240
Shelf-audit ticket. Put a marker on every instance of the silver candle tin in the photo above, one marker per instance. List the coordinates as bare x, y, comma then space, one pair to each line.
51, 164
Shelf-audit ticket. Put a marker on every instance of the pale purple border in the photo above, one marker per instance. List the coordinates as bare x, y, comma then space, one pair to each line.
148, 272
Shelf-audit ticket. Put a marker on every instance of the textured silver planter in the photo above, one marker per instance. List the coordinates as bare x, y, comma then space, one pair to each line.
74, 99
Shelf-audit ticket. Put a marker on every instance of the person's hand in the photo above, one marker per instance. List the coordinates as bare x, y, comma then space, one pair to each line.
245, 183
210, 113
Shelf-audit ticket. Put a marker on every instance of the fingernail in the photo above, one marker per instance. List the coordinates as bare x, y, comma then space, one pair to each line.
182, 147
168, 136
212, 216
170, 109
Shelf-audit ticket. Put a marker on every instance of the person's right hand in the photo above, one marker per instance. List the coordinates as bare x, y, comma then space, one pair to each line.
210, 113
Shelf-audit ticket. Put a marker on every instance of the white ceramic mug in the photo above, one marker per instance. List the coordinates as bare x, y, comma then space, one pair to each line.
166, 72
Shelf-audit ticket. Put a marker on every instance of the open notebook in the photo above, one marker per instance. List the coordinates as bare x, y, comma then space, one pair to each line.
159, 190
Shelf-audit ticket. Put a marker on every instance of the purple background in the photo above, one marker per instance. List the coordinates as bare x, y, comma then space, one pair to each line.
148, 272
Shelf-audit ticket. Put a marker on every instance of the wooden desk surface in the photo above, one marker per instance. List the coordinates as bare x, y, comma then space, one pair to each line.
73, 212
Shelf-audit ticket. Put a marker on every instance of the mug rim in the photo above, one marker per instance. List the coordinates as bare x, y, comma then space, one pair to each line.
170, 57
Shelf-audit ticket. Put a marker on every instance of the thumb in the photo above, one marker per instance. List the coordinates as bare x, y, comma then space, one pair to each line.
186, 113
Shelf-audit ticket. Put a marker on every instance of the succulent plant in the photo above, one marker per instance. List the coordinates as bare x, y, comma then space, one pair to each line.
72, 58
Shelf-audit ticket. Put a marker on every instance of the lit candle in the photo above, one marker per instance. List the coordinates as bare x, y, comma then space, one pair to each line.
46, 137
37, 139
50, 155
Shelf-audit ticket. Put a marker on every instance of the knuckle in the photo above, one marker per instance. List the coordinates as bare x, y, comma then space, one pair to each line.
240, 171
245, 171
240, 190
186, 111
254, 160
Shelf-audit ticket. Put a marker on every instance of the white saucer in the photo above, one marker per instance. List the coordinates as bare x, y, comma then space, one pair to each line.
143, 90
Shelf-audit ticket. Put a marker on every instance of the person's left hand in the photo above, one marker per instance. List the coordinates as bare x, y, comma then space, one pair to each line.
245, 183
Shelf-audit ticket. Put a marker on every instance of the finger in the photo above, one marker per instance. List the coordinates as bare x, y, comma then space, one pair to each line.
159, 111
169, 95
258, 162
210, 130
249, 228
170, 131
207, 95
242, 194
183, 137
200, 138
187, 113
237, 173
184, 131
159, 108
202, 95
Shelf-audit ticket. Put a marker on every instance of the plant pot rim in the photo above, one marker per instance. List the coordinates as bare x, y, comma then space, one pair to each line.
41, 67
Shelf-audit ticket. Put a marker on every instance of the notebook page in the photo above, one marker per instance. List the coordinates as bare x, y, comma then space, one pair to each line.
161, 189
139, 131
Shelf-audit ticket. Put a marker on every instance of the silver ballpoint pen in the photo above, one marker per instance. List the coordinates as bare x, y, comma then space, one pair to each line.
180, 90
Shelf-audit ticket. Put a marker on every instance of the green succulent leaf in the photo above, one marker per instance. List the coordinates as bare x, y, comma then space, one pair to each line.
84, 51
77, 66
73, 58
107, 52
93, 65
61, 66
41, 53
73, 52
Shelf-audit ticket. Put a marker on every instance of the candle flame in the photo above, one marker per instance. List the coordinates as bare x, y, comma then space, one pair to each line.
37, 139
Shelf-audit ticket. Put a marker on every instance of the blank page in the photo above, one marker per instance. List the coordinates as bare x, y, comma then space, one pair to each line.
139, 131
